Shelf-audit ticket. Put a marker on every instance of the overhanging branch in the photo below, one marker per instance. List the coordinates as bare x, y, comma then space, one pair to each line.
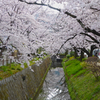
73, 16
86, 29
92, 31
96, 41
40, 4
90, 41
65, 42
94, 9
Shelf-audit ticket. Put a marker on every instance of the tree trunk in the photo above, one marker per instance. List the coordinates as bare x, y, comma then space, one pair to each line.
66, 52
82, 55
75, 53
92, 48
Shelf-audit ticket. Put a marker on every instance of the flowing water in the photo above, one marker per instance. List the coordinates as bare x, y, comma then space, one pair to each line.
54, 87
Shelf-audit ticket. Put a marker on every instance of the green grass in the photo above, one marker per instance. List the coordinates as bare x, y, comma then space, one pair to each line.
32, 62
82, 84
6, 71
10, 69
72, 67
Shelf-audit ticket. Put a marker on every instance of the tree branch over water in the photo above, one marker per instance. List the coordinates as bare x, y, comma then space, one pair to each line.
76, 17
66, 12
65, 42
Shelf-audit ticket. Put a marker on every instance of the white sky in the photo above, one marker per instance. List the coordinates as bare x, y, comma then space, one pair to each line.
56, 5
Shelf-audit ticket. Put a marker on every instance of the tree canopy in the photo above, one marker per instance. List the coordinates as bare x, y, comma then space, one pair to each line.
55, 25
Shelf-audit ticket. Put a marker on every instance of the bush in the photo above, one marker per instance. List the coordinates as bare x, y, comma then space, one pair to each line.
84, 59
13, 68
19, 69
67, 56
92, 66
78, 58
71, 58
83, 64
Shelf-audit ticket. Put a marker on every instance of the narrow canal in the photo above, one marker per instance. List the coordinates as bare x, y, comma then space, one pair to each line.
54, 87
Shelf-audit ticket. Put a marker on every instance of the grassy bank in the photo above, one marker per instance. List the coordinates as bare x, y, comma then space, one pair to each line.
13, 68
82, 84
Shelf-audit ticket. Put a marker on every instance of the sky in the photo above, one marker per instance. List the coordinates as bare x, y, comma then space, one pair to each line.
56, 5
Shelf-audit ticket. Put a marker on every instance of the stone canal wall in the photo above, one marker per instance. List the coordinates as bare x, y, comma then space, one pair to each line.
24, 85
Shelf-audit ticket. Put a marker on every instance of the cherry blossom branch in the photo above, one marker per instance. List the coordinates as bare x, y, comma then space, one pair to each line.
65, 42
92, 31
94, 9
86, 29
90, 41
71, 15
41, 4
96, 41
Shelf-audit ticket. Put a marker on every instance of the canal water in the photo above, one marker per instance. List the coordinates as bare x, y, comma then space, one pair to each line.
54, 87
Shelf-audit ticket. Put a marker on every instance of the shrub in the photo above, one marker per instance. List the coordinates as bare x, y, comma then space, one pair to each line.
68, 56
18, 69
84, 64
13, 68
84, 59
71, 58
92, 66
78, 58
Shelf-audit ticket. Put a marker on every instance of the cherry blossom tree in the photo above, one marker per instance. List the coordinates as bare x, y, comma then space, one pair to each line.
53, 25
81, 13
19, 30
